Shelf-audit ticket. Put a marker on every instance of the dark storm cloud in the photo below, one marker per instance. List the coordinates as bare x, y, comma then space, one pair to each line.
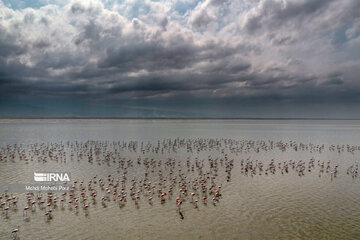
150, 54
335, 78
155, 56
173, 83
228, 68
9, 45
286, 83
18, 87
153, 86
335, 81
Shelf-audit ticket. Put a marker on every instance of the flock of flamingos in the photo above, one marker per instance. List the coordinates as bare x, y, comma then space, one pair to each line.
154, 173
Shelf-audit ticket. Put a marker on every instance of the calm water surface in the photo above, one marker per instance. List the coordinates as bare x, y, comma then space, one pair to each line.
274, 206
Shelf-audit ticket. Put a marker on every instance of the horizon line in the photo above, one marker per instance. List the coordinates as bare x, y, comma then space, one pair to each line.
165, 118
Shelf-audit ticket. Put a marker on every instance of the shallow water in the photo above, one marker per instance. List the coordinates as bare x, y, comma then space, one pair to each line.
273, 206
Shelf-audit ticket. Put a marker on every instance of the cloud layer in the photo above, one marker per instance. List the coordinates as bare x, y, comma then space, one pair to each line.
212, 58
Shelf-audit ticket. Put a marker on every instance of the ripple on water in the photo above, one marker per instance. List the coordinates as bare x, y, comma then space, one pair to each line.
259, 207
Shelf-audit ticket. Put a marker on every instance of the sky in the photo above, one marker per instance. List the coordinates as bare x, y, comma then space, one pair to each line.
180, 58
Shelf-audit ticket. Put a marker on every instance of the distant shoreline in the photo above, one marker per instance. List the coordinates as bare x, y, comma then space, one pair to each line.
114, 118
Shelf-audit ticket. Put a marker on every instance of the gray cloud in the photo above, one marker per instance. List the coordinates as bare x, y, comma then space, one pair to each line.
258, 50
9, 46
150, 56
335, 78
205, 13
274, 14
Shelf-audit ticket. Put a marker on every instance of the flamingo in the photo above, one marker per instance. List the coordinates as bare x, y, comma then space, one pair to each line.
25, 211
14, 232
6, 211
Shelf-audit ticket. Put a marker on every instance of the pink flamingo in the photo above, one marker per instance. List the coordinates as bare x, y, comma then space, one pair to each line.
14, 232
25, 211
